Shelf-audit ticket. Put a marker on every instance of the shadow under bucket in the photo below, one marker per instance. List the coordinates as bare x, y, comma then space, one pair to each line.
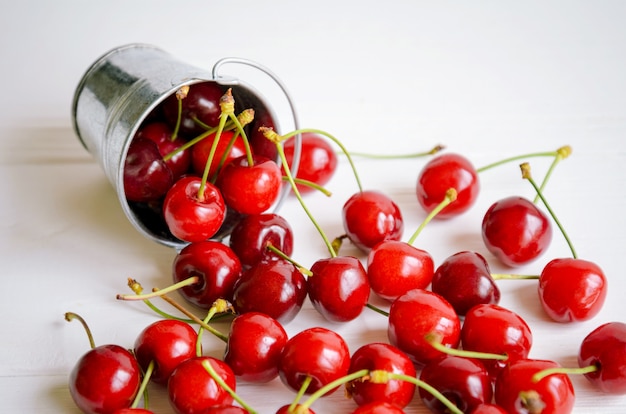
123, 89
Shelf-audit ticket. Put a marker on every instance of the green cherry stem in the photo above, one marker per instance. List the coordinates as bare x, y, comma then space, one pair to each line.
508, 276
219, 306
435, 340
331, 386
220, 381
307, 183
181, 94
558, 153
525, 167
283, 256
136, 287
70, 316
561, 154
437, 148
305, 385
270, 134
561, 370
185, 282
449, 198
382, 377
143, 387
377, 309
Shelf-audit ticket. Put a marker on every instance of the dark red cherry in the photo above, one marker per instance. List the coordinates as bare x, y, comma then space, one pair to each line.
251, 236
605, 347
516, 231
517, 392
146, 176
442, 173
464, 381
464, 279
395, 267
216, 265
255, 343
378, 407
192, 218
318, 353
494, 329
370, 217
105, 379
274, 287
338, 288
250, 189
419, 313
258, 142
572, 289
202, 103
167, 343
161, 134
318, 161
385, 357
191, 389
201, 150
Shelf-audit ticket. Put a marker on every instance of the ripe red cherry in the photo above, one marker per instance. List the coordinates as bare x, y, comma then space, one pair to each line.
370, 217
395, 267
285, 410
215, 264
338, 288
516, 392
202, 103
105, 379
442, 173
191, 389
167, 342
250, 189
161, 134
318, 161
418, 313
464, 381
251, 236
516, 231
189, 217
146, 176
318, 353
464, 279
133, 411
385, 357
201, 150
572, 289
258, 142
226, 409
494, 329
605, 347
274, 287
487, 408
255, 343
378, 407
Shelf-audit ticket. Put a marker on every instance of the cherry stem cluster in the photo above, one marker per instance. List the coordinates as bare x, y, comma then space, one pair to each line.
525, 167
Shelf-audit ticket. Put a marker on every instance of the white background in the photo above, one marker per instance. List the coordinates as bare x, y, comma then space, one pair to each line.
487, 79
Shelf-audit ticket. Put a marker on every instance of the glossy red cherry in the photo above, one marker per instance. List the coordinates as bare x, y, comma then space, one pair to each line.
161, 134
517, 392
226, 409
605, 347
105, 379
491, 328
251, 236
318, 161
418, 313
167, 343
572, 289
338, 288
250, 189
191, 389
385, 357
516, 231
441, 173
201, 150
285, 410
255, 344
370, 217
464, 279
216, 265
487, 408
464, 381
189, 217
133, 411
202, 103
378, 407
395, 267
146, 176
318, 353
274, 287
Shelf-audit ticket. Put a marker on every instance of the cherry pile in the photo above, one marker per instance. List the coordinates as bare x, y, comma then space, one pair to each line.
209, 178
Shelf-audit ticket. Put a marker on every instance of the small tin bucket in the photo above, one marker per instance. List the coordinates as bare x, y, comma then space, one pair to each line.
118, 92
